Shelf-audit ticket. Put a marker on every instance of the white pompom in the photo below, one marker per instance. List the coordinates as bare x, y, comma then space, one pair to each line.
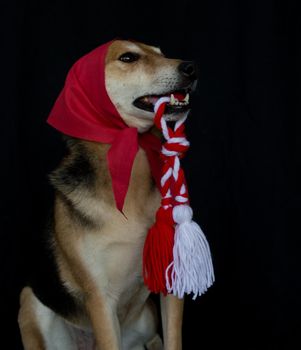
191, 269
182, 213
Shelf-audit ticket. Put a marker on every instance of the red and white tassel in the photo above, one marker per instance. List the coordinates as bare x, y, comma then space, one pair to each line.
190, 268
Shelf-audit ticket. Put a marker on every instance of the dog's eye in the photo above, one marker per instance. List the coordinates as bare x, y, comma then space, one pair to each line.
129, 57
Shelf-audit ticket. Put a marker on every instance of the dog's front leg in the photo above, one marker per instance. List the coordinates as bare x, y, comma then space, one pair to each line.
172, 316
102, 313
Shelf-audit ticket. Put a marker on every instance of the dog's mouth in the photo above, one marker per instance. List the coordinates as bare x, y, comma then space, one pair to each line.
179, 102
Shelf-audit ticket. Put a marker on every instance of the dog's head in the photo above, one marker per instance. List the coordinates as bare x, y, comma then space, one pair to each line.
137, 75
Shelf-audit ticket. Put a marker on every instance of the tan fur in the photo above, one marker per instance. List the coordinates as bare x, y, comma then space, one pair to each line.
31, 335
172, 315
101, 264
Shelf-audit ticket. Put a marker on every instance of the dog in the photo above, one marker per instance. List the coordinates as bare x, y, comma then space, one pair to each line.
97, 298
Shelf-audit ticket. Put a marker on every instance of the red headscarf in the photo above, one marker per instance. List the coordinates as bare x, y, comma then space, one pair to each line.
84, 110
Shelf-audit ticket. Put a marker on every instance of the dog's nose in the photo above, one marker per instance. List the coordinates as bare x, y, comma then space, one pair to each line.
188, 69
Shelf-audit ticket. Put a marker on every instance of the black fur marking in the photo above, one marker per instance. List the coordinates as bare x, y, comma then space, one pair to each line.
76, 213
78, 172
44, 277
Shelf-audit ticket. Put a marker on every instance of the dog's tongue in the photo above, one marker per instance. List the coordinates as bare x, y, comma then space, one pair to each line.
179, 96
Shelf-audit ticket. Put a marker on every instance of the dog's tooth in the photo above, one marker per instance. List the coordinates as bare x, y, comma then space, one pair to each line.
186, 99
172, 99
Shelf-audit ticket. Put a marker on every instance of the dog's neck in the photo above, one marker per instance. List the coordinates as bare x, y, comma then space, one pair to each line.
83, 178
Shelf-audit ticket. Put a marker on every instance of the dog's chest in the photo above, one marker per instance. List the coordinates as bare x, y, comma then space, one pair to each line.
113, 255
113, 259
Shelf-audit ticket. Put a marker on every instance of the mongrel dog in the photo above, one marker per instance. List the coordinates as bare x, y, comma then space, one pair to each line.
97, 251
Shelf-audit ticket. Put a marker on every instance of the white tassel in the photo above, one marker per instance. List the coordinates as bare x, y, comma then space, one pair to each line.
191, 269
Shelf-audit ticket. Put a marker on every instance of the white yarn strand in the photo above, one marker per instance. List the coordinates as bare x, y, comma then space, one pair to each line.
176, 168
166, 176
161, 100
181, 120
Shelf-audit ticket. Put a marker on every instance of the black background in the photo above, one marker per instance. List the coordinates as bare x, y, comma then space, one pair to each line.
242, 167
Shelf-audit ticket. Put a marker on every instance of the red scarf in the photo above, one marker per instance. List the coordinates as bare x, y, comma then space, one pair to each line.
84, 110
